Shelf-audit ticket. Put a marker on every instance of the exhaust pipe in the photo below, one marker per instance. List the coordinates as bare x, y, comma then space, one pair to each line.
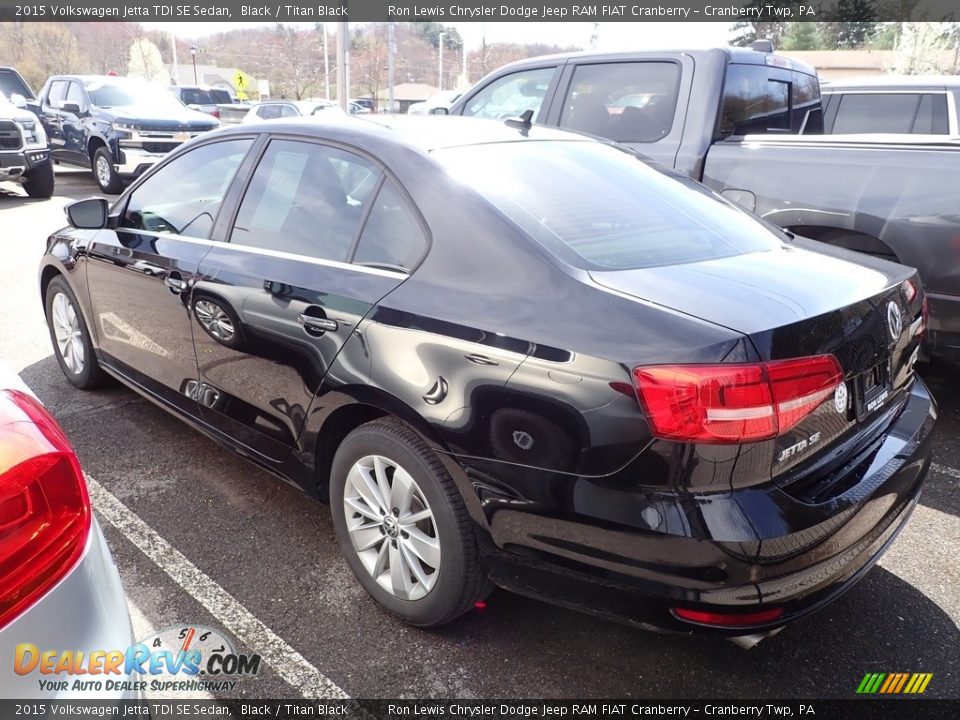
748, 642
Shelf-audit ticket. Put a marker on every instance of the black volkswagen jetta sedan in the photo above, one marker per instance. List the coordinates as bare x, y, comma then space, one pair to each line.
514, 356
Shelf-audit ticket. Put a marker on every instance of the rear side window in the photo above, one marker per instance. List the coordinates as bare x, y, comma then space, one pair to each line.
916, 113
511, 95
307, 199
183, 197
268, 112
596, 207
626, 102
759, 99
392, 238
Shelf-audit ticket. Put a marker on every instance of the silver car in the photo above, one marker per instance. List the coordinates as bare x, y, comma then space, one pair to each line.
59, 587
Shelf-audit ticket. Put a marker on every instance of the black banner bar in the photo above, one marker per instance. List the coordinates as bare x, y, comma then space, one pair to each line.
900, 708
478, 10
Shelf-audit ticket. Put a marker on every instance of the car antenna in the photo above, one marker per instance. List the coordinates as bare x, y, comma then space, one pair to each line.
523, 121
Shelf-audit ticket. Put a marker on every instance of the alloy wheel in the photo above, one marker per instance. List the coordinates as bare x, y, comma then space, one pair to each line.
104, 171
66, 329
214, 319
392, 527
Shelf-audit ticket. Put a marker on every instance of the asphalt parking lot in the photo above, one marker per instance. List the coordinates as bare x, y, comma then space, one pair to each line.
201, 536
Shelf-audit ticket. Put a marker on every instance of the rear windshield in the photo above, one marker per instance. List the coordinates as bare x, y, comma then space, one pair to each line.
600, 208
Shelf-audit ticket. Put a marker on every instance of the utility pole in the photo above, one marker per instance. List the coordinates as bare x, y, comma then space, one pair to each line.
440, 53
391, 51
326, 63
193, 56
176, 68
343, 68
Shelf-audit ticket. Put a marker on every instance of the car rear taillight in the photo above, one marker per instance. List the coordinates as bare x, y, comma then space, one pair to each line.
216, 114
44, 508
924, 316
909, 290
734, 403
759, 617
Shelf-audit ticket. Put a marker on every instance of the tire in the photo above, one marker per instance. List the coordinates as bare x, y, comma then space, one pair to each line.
104, 173
40, 182
59, 302
458, 580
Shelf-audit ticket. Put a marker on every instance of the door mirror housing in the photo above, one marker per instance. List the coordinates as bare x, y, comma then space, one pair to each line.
71, 107
89, 214
18, 100
439, 111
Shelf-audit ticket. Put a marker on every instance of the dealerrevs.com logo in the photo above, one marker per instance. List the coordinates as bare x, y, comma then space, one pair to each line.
187, 658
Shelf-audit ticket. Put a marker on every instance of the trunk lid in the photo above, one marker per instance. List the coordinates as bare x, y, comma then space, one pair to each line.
802, 299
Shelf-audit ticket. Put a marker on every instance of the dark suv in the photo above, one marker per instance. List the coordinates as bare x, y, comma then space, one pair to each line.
118, 127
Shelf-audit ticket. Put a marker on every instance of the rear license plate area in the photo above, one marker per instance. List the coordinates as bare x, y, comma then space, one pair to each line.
871, 389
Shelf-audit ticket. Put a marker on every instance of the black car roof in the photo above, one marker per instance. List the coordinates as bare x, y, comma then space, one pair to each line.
424, 132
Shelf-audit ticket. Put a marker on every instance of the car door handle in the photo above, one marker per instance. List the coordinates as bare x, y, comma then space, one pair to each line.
175, 284
478, 359
317, 324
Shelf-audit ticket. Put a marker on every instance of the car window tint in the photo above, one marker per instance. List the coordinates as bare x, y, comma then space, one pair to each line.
511, 95
306, 199
876, 113
182, 198
594, 206
758, 99
288, 111
627, 102
932, 115
195, 96
392, 237
56, 93
269, 112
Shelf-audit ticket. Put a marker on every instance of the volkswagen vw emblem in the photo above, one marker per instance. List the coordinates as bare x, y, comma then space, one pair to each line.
894, 320
840, 398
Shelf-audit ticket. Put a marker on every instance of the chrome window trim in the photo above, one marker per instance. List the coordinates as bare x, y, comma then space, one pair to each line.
269, 253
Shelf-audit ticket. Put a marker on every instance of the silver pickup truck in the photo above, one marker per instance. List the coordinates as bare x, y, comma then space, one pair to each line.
24, 153
732, 118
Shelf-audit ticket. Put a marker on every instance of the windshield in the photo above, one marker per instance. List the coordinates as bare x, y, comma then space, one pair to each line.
3, 100
596, 207
107, 95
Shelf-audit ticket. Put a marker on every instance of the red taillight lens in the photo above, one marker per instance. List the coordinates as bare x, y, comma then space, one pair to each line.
736, 402
909, 290
760, 617
44, 508
216, 114
924, 316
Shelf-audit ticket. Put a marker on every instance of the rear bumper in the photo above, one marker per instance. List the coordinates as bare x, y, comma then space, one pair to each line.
721, 553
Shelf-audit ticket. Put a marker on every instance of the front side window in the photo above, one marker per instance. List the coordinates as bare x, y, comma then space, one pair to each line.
288, 111
511, 95
626, 102
392, 238
75, 94
57, 93
182, 198
268, 112
307, 199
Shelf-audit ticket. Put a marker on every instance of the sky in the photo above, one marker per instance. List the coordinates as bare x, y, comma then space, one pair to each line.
612, 35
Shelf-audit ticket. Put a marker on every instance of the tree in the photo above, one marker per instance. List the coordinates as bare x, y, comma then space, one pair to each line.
146, 62
801, 36
926, 48
849, 24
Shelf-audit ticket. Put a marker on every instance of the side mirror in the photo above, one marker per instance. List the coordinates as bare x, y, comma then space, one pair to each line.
71, 107
439, 111
18, 100
89, 214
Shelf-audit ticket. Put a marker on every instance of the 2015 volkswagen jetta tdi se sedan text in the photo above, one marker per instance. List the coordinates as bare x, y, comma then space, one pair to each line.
514, 356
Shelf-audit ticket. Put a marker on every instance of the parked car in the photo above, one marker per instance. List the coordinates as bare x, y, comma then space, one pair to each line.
438, 104
517, 355
276, 109
24, 153
61, 589
363, 105
912, 104
197, 98
731, 118
118, 127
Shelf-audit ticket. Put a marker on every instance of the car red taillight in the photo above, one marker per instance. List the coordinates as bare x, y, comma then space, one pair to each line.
758, 617
44, 508
909, 290
734, 403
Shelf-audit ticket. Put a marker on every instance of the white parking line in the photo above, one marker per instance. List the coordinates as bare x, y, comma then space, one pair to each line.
286, 661
944, 470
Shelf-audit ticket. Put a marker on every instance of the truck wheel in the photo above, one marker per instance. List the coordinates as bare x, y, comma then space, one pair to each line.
103, 171
403, 527
39, 181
